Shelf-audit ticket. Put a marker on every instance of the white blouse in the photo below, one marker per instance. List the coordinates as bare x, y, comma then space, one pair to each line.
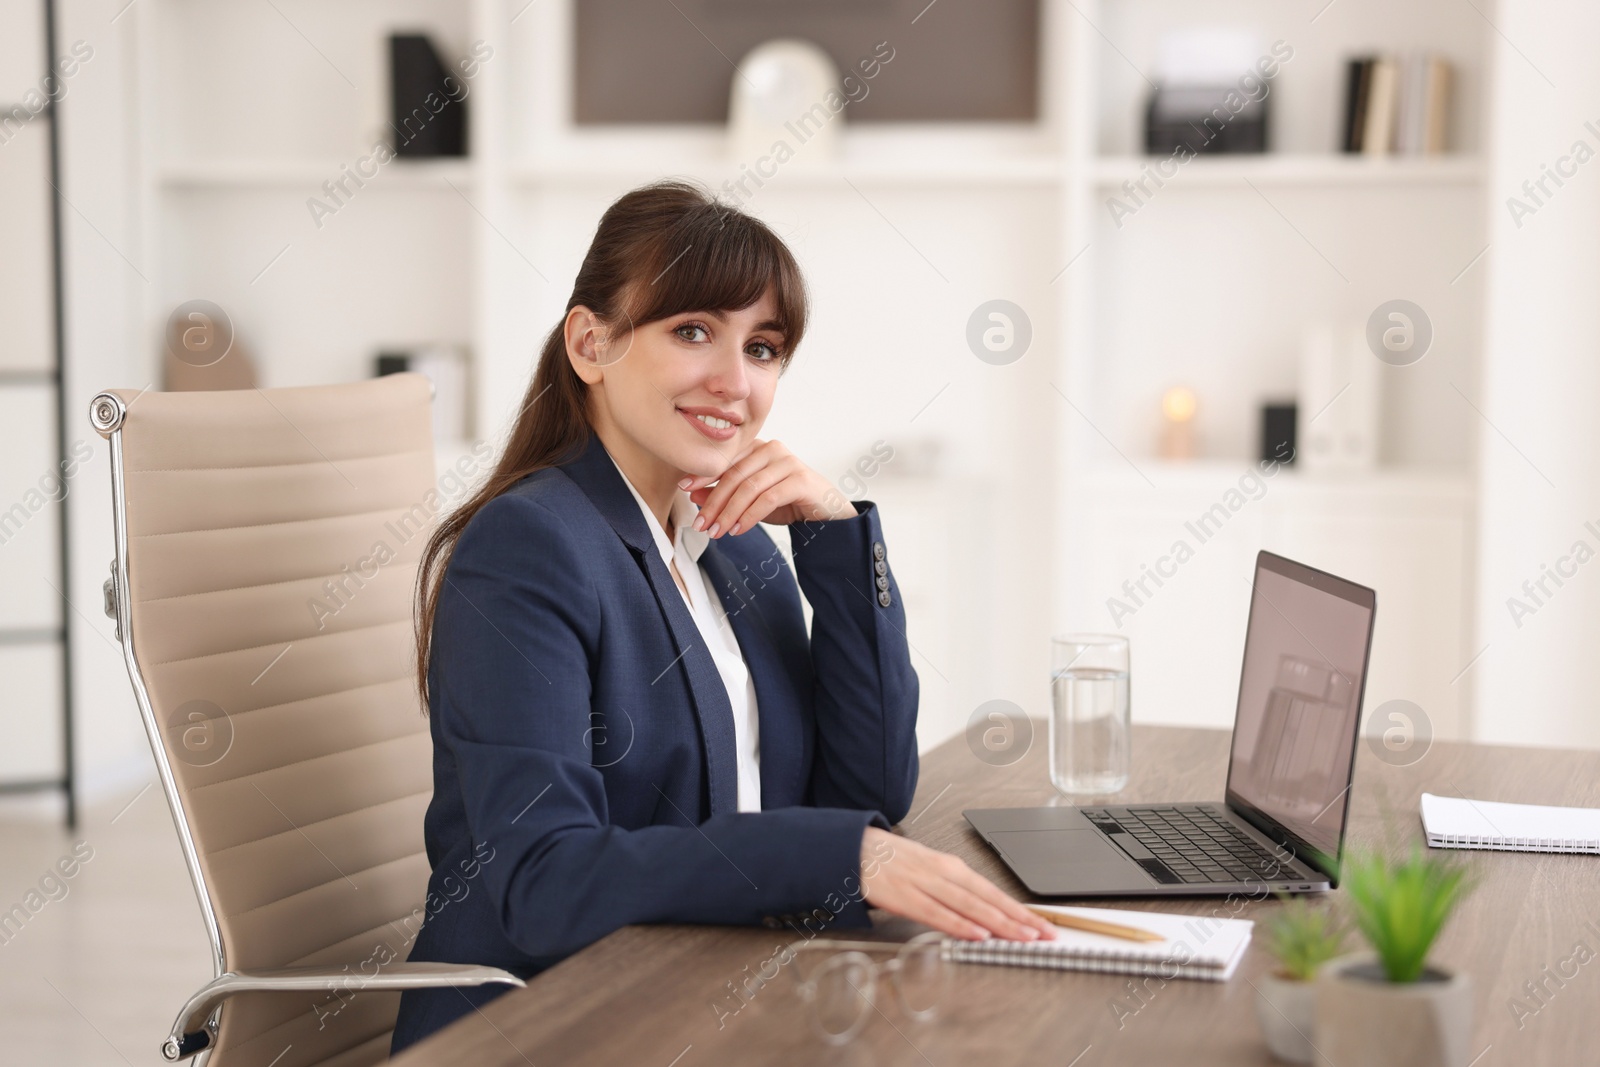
706, 609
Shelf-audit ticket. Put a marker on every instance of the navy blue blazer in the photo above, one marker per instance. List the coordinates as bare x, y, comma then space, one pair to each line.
584, 768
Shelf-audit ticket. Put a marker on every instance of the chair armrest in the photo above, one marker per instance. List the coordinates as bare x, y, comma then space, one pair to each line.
190, 1033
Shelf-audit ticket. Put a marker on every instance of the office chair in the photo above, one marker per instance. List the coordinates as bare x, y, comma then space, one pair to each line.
266, 554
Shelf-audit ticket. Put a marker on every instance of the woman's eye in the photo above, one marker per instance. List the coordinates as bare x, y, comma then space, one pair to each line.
762, 351
691, 331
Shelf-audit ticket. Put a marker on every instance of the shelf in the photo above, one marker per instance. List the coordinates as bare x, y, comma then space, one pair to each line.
279, 173
952, 156
932, 169
1216, 475
920, 173
918, 170
956, 169
1301, 170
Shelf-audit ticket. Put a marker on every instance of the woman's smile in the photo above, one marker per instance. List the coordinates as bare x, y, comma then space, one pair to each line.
716, 423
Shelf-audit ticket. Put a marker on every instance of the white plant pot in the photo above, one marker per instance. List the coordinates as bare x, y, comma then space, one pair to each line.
1286, 1010
1363, 1018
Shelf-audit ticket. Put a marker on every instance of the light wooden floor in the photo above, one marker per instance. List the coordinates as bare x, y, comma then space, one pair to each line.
96, 976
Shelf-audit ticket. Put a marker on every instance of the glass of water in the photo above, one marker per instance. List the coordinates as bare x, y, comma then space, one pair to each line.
1089, 721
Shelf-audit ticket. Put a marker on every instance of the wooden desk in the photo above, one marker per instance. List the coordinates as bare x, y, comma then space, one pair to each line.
644, 995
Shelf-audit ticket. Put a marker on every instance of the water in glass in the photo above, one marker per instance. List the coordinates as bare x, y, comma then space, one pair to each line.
1089, 730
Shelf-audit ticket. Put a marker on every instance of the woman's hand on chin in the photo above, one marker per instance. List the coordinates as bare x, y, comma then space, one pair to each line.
936, 888
766, 483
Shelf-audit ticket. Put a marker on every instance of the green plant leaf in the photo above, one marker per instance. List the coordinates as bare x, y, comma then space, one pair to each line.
1303, 937
1401, 905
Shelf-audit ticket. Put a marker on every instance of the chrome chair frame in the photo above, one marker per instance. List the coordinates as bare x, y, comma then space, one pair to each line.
195, 1029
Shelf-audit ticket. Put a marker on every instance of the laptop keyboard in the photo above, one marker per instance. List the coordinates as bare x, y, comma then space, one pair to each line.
1188, 844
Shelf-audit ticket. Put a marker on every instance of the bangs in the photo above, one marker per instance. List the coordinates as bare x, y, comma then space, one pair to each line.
716, 258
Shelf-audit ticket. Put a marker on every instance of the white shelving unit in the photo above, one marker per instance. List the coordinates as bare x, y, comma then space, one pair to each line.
901, 237
1210, 283
299, 175
936, 174
1321, 170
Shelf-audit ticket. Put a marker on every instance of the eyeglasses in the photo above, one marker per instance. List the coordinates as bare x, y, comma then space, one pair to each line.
840, 993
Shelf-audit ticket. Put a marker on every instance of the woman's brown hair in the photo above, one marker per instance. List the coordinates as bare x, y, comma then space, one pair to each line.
659, 251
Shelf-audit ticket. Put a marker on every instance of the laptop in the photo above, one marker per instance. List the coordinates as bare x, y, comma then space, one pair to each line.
1281, 824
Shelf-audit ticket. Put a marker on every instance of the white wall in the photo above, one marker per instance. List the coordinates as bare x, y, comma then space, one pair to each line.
1539, 437
104, 264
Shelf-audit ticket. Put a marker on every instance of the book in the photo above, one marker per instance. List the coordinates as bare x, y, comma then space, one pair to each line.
1455, 822
1411, 122
1192, 946
1358, 73
1424, 105
1436, 110
1382, 99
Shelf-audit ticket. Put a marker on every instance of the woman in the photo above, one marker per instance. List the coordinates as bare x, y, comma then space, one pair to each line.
630, 721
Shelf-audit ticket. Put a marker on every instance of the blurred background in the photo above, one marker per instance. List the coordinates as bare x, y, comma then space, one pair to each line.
1087, 276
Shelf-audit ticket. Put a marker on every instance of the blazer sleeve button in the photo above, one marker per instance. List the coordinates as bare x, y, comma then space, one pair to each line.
877, 550
884, 599
883, 584
880, 567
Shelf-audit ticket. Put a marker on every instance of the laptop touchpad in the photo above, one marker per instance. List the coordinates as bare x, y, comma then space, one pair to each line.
1069, 861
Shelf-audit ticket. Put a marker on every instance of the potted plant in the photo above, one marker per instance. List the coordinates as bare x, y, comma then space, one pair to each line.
1301, 937
1391, 1007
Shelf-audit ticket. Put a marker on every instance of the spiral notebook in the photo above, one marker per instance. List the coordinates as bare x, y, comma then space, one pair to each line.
1193, 946
1455, 822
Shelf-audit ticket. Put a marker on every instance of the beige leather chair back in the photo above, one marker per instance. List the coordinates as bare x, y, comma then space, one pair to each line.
272, 543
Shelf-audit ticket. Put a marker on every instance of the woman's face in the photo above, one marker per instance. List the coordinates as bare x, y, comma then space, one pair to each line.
690, 391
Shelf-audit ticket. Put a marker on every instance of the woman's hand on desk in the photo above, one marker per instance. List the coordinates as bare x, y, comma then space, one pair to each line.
940, 890
766, 483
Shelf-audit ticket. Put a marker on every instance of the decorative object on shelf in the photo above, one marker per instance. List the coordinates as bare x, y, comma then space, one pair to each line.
1340, 393
1301, 937
1211, 93
1397, 105
428, 109
780, 99
447, 367
1278, 427
1391, 1009
1178, 407
1183, 116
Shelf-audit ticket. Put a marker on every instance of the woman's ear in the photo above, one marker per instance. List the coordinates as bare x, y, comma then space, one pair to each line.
586, 344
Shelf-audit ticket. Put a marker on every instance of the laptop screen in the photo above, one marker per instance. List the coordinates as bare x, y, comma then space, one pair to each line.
1294, 735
